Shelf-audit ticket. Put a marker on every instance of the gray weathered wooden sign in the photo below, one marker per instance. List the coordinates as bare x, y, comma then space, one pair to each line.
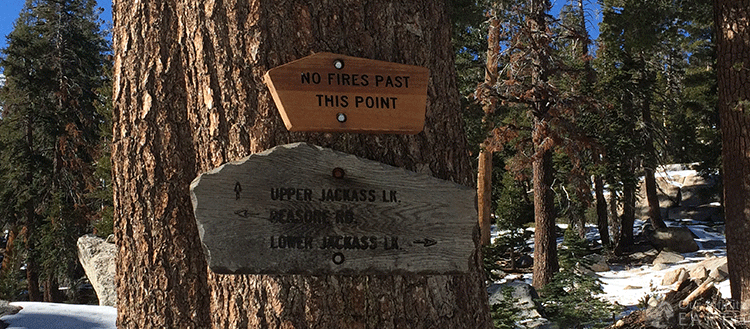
303, 209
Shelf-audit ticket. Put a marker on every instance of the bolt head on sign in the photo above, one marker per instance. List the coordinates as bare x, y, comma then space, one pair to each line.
303, 209
328, 92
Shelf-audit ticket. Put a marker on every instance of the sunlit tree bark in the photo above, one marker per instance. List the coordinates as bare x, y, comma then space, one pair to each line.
189, 97
733, 67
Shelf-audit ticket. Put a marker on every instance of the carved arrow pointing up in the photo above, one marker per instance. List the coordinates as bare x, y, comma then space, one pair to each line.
426, 242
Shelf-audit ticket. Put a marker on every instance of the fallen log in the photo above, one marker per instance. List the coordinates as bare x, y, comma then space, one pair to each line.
703, 290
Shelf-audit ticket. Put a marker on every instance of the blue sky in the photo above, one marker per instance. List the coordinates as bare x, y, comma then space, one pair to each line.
9, 10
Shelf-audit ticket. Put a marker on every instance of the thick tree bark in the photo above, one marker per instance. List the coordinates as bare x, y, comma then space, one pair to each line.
189, 97
733, 68
484, 169
161, 271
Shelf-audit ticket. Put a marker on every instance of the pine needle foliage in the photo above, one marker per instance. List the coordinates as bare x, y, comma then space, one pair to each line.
570, 299
505, 312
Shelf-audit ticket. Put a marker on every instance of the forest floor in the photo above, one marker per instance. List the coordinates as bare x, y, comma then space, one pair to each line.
632, 280
627, 284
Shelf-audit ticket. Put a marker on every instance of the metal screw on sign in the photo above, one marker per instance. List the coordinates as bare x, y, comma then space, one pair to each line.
338, 64
338, 258
341, 117
338, 173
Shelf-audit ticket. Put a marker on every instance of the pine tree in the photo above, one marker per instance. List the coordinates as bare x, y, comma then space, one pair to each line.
629, 63
537, 113
694, 135
53, 65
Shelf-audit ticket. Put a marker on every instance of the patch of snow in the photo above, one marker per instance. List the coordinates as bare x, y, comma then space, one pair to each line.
626, 286
37, 315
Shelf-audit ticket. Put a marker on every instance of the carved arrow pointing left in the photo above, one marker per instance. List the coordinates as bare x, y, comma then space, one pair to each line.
243, 213
427, 242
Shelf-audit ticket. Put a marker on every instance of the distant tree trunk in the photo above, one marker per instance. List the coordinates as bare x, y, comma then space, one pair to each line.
52, 292
601, 211
733, 68
9, 254
484, 194
649, 167
582, 47
32, 270
489, 102
614, 217
627, 220
654, 211
545, 237
190, 97
32, 265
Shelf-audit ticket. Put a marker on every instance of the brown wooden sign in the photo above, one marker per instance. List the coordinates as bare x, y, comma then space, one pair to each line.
303, 209
327, 92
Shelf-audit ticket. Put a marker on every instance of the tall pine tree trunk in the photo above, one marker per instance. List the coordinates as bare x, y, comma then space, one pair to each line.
489, 102
733, 68
189, 97
545, 237
654, 211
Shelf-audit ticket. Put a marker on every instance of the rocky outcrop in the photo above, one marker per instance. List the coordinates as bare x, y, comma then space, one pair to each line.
675, 276
713, 269
682, 193
8, 309
677, 239
668, 257
597, 262
716, 268
97, 257
523, 298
